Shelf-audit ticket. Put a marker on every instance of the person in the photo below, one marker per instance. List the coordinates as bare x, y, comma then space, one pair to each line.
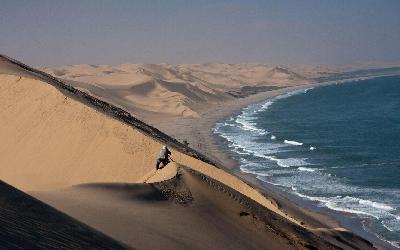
164, 157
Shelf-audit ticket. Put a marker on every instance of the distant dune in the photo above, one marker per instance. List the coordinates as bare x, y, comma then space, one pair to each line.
177, 90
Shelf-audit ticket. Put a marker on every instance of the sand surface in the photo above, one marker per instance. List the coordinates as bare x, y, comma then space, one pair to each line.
189, 211
172, 90
27, 223
211, 220
54, 138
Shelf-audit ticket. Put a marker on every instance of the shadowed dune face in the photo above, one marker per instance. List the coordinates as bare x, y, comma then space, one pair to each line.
183, 213
26, 223
189, 211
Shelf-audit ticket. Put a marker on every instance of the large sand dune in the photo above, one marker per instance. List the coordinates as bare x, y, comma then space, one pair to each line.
50, 140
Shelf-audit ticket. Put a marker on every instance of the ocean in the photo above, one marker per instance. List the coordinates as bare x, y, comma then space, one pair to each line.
337, 145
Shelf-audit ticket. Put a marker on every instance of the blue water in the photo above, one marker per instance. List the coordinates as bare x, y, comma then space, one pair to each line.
338, 145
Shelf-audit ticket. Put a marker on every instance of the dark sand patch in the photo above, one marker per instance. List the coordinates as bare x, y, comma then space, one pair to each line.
27, 223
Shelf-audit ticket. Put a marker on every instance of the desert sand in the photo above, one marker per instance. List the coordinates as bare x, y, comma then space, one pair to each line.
197, 217
27, 223
72, 150
172, 90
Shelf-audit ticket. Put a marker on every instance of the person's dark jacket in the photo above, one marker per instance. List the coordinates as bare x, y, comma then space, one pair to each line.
165, 153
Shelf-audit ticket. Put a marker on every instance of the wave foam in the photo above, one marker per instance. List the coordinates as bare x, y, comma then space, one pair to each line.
306, 169
292, 93
291, 162
258, 173
376, 205
265, 106
293, 143
246, 124
348, 204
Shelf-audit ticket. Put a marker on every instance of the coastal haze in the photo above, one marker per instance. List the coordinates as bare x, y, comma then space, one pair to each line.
240, 93
52, 33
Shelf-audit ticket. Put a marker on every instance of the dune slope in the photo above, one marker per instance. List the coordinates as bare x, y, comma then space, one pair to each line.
189, 211
26, 223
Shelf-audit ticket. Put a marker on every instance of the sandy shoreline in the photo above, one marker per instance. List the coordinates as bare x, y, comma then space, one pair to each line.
198, 132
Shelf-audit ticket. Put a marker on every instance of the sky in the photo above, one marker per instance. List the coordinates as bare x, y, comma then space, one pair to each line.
50, 33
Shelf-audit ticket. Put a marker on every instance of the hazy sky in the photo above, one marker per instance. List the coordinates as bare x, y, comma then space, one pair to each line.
172, 31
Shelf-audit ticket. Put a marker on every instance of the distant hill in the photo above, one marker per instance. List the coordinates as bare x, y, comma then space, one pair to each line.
177, 90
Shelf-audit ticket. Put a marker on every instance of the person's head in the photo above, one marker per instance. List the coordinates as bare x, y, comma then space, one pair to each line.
164, 147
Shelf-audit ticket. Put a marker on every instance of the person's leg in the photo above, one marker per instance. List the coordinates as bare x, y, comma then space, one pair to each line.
165, 162
158, 164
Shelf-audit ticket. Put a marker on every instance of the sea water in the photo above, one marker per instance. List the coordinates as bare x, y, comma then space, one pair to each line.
337, 145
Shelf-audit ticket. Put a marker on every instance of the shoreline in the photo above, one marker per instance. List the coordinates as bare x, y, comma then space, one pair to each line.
199, 134
349, 221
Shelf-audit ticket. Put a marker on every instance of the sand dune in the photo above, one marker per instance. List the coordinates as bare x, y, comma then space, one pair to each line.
53, 141
172, 90
185, 212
